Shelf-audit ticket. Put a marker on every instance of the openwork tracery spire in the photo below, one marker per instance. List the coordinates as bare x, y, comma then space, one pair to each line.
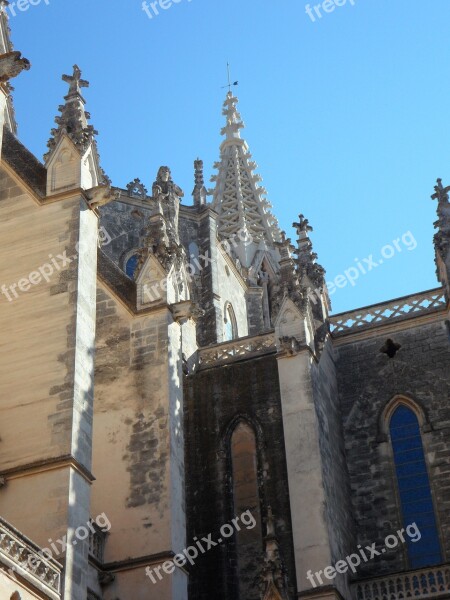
237, 197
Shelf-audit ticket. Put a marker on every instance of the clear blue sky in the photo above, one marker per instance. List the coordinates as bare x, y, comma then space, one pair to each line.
347, 117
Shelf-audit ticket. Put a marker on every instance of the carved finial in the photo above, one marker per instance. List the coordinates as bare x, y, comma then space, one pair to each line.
441, 193
199, 193
303, 226
233, 118
306, 257
273, 582
198, 166
137, 189
73, 120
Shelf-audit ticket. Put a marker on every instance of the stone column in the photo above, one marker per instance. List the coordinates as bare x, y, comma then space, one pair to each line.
301, 436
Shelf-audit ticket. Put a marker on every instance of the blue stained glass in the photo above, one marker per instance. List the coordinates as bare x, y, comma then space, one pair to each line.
414, 487
131, 266
414, 494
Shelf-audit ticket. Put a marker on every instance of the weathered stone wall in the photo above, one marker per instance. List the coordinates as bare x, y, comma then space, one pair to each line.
338, 508
139, 443
368, 380
215, 400
124, 224
46, 370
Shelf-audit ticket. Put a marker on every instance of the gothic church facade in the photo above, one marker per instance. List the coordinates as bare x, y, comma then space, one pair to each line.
171, 379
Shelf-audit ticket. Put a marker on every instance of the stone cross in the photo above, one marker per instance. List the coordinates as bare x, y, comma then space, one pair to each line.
441, 192
75, 82
303, 225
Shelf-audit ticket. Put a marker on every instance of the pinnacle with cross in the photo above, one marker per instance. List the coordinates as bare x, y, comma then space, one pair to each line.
441, 193
303, 225
75, 82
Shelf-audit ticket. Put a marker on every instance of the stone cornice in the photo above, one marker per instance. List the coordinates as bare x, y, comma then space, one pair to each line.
50, 464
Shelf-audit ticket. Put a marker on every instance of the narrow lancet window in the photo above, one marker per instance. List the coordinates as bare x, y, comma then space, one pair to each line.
414, 488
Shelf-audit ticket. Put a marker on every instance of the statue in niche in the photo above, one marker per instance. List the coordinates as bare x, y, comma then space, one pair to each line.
167, 196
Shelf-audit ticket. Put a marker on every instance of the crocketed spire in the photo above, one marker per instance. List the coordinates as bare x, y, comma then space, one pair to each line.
73, 120
273, 576
442, 236
237, 197
306, 258
199, 193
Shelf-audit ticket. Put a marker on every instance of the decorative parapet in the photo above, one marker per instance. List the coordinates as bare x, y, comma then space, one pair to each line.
241, 349
394, 311
22, 557
433, 582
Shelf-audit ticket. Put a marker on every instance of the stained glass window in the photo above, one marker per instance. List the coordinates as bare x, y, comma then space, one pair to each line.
131, 266
414, 488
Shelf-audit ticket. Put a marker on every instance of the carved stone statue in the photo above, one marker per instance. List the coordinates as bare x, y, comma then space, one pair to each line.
167, 195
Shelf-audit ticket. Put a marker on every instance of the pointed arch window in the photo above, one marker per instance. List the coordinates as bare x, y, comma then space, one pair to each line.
131, 265
414, 487
230, 324
246, 497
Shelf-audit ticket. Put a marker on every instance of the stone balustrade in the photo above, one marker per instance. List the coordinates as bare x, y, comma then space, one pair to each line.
235, 350
433, 582
397, 310
21, 557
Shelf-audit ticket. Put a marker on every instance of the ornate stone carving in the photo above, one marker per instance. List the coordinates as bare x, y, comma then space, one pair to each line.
167, 195
73, 119
273, 584
289, 345
199, 193
441, 193
100, 195
237, 197
137, 189
388, 312
306, 258
11, 65
288, 284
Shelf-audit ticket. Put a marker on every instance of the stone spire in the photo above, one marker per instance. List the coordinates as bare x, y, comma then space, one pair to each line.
312, 274
312, 280
199, 193
73, 120
11, 64
237, 197
442, 237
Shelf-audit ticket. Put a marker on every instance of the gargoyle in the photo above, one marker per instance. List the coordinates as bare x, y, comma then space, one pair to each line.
11, 65
100, 195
